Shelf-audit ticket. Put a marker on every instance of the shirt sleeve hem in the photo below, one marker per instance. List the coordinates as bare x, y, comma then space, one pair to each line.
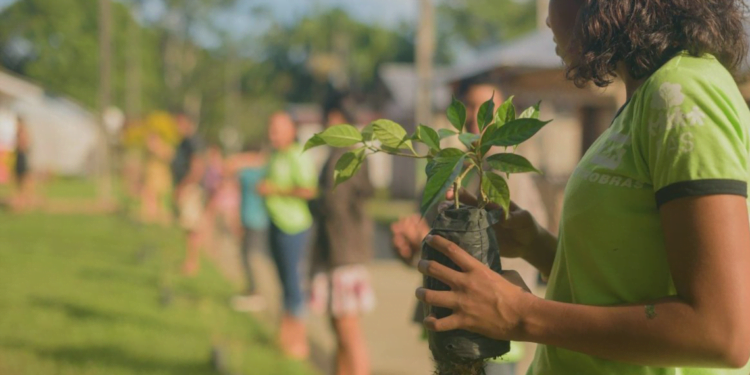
695, 188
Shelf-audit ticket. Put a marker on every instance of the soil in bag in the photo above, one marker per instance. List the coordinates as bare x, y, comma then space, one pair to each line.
471, 229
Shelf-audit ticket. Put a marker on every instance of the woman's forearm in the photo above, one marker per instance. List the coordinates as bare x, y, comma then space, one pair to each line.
541, 253
667, 333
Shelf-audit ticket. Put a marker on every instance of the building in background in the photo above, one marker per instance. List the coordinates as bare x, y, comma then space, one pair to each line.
63, 133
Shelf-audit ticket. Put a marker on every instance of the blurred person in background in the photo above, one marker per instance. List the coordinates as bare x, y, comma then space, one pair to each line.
343, 246
249, 168
133, 165
222, 199
409, 232
291, 182
212, 173
24, 196
187, 171
157, 186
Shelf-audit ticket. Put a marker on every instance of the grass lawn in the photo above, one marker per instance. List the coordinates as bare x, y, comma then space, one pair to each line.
85, 295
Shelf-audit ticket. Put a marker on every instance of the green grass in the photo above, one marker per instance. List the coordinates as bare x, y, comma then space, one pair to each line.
93, 295
69, 188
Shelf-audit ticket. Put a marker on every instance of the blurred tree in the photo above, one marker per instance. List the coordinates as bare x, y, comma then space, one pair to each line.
54, 42
182, 53
482, 23
330, 48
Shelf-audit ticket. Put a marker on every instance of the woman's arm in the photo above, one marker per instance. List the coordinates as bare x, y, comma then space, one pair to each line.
247, 160
265, 188
706, 324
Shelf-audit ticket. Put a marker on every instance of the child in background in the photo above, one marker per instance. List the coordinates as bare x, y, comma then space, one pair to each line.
343, 246
249, 168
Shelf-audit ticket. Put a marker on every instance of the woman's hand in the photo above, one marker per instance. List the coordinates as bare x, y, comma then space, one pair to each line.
408, 234
265, 188
516, 234
482, 301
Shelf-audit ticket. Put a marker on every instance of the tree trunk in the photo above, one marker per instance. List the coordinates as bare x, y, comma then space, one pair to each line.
105, 95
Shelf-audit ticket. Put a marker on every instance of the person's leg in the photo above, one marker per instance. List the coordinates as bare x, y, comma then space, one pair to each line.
192, 255
191, 213
149, 202
351, 356
287, 251
245, 250
250, 300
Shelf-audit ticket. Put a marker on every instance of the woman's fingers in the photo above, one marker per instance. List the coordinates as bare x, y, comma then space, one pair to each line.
439, 271
437, 298
448, 323
518, 218
454, 252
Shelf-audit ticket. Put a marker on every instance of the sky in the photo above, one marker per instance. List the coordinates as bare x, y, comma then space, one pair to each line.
387, 12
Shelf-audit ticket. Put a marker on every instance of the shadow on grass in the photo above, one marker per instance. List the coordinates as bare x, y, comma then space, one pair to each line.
112, 356
101, 275
87, 313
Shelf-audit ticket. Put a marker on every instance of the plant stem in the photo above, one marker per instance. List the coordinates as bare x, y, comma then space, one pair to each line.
465, 173
457, 184
482, 200
375, 149
410, 156
455, 194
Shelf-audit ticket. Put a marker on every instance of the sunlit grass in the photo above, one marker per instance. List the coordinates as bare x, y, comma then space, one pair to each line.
95, 295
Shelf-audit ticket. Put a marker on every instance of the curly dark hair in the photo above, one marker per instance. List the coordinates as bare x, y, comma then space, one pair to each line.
645, 34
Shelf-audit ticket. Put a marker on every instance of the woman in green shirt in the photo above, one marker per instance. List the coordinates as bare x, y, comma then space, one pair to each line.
291, 181
649, 274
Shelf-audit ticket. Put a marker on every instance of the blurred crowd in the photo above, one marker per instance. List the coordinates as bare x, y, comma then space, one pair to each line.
267, 195
272, 197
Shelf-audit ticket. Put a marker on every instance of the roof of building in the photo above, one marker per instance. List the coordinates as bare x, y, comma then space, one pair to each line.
401, 81
535, 50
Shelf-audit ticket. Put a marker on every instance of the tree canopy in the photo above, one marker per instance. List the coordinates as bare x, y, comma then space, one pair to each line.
55, 43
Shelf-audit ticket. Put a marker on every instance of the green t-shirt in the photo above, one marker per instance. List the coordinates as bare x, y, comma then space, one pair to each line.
683, 133
290, 169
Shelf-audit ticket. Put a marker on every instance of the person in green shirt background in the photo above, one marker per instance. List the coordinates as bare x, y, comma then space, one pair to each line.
291, 181
649, 274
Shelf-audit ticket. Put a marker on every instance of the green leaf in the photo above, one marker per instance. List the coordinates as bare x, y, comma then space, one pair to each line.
428, 136
505, 113
341, 136
512, 133
367, 133
313, 142
443, 156
391, 134
486, 113
531, 112
430, 169
348, 165
496, 190
457, 114
393, 150
468, 139
510, 163
445, 133
449, 152
443, 173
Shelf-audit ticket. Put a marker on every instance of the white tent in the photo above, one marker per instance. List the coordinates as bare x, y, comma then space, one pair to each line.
63, 134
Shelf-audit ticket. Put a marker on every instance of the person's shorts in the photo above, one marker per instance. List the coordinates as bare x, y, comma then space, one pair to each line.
343, 291
190, 207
